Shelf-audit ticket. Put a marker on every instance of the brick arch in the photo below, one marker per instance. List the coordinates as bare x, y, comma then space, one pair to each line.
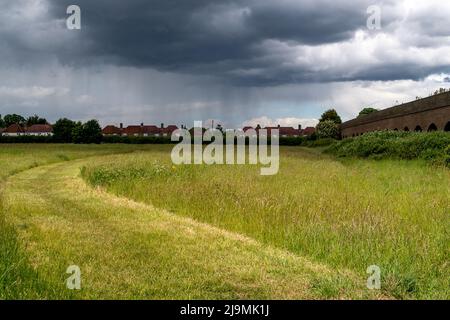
432, 127
406, 128
418, 128
418, 114
447, 127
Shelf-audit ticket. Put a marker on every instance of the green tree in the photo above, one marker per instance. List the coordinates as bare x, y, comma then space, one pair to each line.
35, 119
62, 130
92, 132
13, 118
331, 115
367, 111
328, 129
77, 132
89, 132
2, 122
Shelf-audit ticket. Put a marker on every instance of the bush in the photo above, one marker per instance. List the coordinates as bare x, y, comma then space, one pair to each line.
319, 143
62, 130
447, 156
394, 144
136, 140
292, 141
89, 132
26, 139
327, 129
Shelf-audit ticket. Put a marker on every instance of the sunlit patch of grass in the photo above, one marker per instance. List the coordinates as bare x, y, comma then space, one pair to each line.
219, 231
18, 278
351, 214
130, 250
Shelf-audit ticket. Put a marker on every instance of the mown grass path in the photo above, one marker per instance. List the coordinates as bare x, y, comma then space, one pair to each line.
129, 250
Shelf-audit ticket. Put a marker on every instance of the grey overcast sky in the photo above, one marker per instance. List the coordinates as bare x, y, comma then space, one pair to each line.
236, 61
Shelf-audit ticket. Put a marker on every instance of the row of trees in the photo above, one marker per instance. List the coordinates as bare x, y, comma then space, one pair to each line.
10, 119
64, 130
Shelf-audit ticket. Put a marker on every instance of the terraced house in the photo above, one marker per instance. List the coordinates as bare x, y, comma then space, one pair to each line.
139, 130
16, 130
285, 131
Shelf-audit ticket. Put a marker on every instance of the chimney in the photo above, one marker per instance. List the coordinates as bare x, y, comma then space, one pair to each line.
279, 126
299, 127
121, 125
142, 124
162, 125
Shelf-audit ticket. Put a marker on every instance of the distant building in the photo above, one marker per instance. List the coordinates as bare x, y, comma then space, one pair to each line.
161, 131
16, 130
428, 114
112, 131
139, 130
39, 130
13, 130
285, 132
309, 131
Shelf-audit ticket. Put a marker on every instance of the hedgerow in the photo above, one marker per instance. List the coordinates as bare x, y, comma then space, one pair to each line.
430, 146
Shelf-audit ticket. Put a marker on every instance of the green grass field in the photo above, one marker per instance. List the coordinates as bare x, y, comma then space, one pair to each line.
141, 228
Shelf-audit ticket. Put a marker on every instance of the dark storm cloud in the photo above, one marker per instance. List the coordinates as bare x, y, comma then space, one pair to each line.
236, 42
218, 38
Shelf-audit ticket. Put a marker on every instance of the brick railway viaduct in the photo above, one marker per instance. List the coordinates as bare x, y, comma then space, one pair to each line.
428, 114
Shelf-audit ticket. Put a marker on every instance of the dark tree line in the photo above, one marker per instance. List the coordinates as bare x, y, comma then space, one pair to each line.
10, 119
68, 131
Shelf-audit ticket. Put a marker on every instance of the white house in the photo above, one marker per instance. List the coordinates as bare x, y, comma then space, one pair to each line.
16, 130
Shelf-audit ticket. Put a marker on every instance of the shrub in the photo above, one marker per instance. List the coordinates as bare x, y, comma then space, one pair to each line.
136, 140
26, 139
447, 156
292, 141
89, 132
327, 129
62, 130
319, 143
394, 144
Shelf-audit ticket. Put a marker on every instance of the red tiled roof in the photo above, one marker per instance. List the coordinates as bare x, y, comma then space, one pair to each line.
140, 130
150, 130
284, 131
40, 128
309, 131
111, 130
131, 130
169, 129
14, 128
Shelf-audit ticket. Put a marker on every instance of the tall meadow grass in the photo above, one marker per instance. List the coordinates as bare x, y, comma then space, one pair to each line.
351, 214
